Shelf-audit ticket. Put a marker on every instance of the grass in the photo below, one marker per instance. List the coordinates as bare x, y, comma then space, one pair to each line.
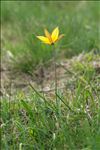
69, 120
39, 122
79, 21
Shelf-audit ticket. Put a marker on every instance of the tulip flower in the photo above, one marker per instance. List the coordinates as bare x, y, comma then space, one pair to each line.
50, 39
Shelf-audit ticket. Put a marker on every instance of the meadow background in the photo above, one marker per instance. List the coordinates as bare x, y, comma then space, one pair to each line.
40, 122
22, 21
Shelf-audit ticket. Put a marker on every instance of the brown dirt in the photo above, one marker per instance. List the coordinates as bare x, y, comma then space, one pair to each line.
42, 79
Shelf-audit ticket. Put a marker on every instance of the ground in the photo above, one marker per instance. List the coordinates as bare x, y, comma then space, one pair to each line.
42, 78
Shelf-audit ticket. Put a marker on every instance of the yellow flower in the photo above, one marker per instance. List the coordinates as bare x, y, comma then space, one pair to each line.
50, 38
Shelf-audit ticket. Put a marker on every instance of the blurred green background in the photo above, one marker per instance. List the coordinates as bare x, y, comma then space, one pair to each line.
21, 21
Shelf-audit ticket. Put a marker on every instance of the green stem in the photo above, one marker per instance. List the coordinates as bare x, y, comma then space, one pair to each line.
55, 72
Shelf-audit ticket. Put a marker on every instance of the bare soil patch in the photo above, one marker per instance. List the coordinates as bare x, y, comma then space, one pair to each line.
43, 78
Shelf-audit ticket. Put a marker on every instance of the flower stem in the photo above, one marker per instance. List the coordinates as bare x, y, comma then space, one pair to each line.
55, 72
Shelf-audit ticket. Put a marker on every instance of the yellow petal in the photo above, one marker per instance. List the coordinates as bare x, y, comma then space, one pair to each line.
55, 34
47, 34
60, 36
44, 39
